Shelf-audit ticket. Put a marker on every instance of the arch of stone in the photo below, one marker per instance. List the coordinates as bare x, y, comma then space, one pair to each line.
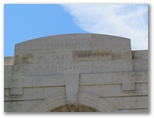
79, 108
85, 103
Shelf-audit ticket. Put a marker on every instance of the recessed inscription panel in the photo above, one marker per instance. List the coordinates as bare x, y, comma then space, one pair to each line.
71, 45
91, 55
43, 58
69, 68
54, 68
48, 58
121, 54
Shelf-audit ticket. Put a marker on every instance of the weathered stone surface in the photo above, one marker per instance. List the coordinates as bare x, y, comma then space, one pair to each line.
72, 85
110, 90
141, 54
7, 76
112, 66
20, 106
76, 72
110, 42
27, 94
49, 91
140, 64
145, 89
129, 102
8, 60
136, 102
16, 92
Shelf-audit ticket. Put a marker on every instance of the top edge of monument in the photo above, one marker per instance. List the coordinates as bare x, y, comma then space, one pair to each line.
74, 42
72, 34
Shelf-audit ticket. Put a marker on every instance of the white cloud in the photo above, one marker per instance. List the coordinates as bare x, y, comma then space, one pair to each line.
126, 20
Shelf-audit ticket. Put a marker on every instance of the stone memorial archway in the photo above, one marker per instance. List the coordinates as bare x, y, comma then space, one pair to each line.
76, 72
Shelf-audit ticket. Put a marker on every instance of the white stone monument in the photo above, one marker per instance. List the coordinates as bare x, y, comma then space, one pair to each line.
76, 73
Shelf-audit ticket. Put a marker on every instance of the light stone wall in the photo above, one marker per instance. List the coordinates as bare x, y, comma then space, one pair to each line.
76, 73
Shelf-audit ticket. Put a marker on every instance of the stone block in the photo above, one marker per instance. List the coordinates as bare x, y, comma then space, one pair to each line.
109, 90
121, 54
48, 81
28, 94
112, 66
16, 92
139, 77
140, 65
13, 107
7, 82
7, 76
19, 71
39, 44
6, 93
27, 105
71, 85
110, 42
95, 79
20, 106
37, 70
128, 82
127, 86
123, 103
140, 54
72, 42
142, 111
21, 82
38, 108
125, 111
116, 101
136, 102
49, 91
145, 89
34, 93
8, 60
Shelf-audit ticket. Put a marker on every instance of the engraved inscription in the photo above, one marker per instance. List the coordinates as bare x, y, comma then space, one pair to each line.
91, 55
51, 57
72, 68
75, 45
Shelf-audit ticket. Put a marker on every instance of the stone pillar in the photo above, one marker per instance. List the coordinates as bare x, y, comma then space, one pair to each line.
72, 85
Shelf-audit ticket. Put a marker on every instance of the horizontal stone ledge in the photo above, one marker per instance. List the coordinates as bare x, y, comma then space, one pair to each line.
72, 67
137, 110
140, 65
28, 94
130, 102
114, 90
19, 106
112, 78
85, 79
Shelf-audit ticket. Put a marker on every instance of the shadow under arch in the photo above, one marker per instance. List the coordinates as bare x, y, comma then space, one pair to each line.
84, 99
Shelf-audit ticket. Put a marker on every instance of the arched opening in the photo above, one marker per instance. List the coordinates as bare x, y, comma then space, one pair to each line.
86, 103
79, 108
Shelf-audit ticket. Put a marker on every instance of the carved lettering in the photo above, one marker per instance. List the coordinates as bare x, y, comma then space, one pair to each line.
75, 45
91, 55
72, 68
48, 58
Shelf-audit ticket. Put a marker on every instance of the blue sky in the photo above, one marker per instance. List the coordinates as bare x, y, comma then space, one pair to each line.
24, 22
